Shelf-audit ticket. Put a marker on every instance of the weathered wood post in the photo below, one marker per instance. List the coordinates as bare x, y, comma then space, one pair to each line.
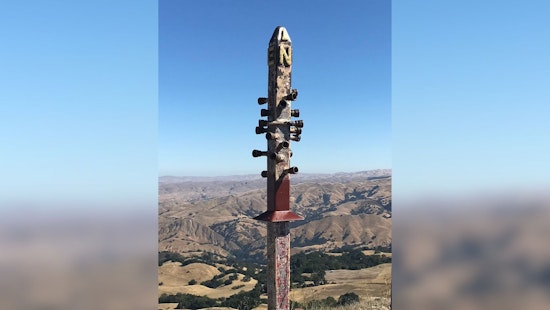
279, 131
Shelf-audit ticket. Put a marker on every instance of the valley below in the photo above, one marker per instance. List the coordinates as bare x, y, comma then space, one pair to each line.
212, 253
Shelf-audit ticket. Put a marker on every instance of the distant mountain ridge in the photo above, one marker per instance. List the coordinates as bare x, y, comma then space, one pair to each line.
344, 209
190, 188
297, 177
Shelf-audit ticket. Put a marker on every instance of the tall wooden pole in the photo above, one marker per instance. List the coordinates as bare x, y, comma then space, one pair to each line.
279, 131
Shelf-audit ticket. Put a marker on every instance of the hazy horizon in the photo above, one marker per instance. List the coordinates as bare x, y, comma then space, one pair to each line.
253, 174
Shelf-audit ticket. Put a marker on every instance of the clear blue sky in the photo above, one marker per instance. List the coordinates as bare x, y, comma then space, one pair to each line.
213, 67
470, 96
80, 115
78, 110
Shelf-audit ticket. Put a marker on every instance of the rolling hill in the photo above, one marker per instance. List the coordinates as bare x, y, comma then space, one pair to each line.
214, 215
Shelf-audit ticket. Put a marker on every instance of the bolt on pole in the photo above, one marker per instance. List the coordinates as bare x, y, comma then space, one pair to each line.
279, 131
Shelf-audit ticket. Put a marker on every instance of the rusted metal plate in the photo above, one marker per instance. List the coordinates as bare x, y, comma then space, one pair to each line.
282, 194
278, 216
280, 206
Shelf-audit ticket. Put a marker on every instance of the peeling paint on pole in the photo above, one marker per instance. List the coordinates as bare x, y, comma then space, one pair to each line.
278, 261
279, 131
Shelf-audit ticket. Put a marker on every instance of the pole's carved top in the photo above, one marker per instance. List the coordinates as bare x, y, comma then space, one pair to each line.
279, 52
279, 35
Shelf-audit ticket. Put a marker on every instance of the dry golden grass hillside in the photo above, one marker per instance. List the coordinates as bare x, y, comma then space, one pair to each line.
201, 217
175, 279
354, 212
368, 283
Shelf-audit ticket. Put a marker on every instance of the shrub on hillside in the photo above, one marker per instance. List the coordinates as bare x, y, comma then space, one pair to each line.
214, 283
348, 298
195, 302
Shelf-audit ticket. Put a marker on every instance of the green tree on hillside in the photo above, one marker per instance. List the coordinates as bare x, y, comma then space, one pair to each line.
348, 298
